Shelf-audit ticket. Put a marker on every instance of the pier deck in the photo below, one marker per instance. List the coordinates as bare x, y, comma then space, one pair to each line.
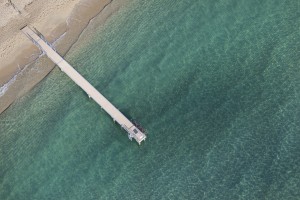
132, 130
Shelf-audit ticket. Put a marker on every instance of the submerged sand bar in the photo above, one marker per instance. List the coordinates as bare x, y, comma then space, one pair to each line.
132, 130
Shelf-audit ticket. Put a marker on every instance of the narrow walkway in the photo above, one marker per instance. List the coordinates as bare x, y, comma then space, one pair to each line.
133, 131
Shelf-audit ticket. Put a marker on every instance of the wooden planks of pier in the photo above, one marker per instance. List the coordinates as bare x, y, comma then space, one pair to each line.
132, 130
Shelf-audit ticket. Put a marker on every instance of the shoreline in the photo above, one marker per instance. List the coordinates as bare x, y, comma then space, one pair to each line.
35, 66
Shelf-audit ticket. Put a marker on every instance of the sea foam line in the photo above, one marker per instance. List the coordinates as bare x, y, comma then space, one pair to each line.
5, 87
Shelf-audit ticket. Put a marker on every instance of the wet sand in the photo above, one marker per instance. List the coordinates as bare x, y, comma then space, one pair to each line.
22, 64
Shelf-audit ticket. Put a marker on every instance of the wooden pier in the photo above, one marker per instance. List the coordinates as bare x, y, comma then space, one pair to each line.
132, 130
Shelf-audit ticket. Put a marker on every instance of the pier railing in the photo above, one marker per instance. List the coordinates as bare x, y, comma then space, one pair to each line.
39, 40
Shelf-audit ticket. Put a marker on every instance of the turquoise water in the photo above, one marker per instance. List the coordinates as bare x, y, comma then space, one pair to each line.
215, 83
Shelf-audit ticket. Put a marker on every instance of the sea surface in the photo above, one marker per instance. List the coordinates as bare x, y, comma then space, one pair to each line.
215, 83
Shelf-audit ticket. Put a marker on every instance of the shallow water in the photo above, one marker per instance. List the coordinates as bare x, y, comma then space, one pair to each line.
215, 83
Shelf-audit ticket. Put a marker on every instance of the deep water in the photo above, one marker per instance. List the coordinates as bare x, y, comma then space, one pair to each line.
215, 83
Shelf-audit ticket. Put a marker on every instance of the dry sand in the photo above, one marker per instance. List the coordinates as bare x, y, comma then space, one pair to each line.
20, 69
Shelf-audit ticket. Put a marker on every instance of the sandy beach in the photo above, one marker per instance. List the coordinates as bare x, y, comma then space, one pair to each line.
61, 22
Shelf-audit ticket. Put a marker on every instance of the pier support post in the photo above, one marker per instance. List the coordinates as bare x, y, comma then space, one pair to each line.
91, 91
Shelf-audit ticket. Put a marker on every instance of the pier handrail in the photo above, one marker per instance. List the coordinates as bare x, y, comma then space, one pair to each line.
40, 41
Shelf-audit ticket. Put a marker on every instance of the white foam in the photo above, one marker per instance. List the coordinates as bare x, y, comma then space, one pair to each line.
53, 45
5, 87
